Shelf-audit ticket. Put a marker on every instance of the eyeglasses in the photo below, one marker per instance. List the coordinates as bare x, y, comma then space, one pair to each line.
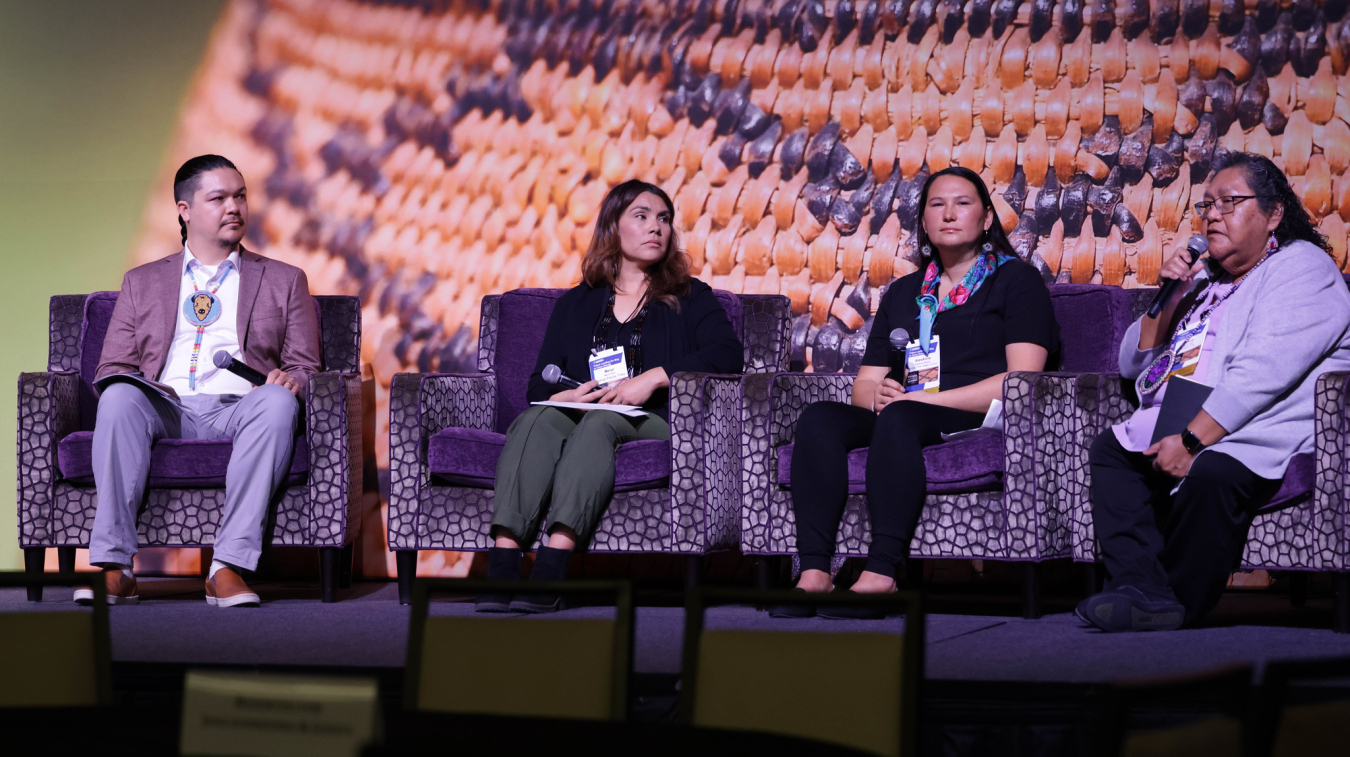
1225, 204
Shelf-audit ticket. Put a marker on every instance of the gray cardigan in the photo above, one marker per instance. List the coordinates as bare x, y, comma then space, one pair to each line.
1288, 323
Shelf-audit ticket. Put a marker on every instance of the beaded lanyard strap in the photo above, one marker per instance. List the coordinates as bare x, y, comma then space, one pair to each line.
201, 309
633, 352
1161, 368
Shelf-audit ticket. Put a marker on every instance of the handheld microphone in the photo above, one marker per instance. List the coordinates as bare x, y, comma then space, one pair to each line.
899, 340
1196, 246
243, 370
554, 375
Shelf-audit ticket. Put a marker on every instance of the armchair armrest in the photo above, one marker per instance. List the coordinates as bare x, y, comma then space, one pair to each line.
48, 410
1331, 424
420, 404
336, 481
686, 414
1045, 462
1099, 403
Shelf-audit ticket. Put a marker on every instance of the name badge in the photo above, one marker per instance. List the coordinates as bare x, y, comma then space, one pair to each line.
608, 367
923, 372
1186, 347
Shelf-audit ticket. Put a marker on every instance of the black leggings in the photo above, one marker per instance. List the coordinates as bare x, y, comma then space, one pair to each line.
1179, 547
896, 475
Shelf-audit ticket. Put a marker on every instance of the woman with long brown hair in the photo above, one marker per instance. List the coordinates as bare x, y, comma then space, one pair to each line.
636, 318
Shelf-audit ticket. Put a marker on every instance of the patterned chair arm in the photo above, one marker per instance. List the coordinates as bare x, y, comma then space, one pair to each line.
1331, 424
1099, 403
790, 393
420, 404
48, 410
1045, 462
686, 414
336, 482
771, 403
721, 428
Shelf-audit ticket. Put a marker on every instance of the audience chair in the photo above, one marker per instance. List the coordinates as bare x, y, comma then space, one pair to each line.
318, 507
539, 667
447, 430
1300, 530
857, 689
1199, 714
1301, 708
58, 656
999, 494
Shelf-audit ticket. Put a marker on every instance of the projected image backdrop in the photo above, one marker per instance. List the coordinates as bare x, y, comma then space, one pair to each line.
422, 155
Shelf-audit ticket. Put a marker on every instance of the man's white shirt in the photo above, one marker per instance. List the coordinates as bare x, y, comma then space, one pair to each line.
221, 335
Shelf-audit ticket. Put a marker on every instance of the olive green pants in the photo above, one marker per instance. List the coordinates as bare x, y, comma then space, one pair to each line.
562, 460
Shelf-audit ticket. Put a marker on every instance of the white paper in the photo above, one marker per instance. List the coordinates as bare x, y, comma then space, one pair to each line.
271, 715
992, 419
632, 411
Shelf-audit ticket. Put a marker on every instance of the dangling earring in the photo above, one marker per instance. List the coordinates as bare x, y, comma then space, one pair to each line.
926, 251
988, 248
1272, 244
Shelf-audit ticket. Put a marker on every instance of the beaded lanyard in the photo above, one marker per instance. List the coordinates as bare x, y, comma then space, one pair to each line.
633, 352
1158, 371
201, 309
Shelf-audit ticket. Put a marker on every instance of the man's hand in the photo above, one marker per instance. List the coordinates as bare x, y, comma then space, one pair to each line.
1172, 457
283, 379
587, 392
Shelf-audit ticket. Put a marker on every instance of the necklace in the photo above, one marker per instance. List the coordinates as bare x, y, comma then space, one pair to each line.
1160, 369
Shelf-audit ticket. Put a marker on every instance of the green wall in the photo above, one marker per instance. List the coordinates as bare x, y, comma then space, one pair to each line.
89, 94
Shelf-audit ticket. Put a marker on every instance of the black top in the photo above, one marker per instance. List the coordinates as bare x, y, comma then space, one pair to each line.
697, 338
1011, 306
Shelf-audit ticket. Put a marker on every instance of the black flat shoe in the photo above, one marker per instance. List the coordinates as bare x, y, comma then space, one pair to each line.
549, 565
851, 612
793, 611
503, 565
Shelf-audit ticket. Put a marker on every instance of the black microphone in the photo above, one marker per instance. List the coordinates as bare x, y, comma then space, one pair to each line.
899, 340
1196, 246
241, 369
554, 375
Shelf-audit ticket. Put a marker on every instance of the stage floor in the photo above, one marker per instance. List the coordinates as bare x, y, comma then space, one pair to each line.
368, 629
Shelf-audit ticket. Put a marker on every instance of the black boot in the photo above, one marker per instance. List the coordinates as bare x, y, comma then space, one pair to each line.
549, 565
503, 565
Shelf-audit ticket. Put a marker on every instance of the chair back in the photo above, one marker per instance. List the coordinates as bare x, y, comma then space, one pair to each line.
55, 656
1092, 320
512, 331
76, 339
864, 686
550, 668
1176, 704
1301, 707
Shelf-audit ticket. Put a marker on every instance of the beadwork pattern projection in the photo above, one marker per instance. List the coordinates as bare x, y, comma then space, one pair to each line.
421, 155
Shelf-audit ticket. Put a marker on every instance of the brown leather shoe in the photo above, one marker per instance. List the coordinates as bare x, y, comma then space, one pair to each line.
227, 589
121, 589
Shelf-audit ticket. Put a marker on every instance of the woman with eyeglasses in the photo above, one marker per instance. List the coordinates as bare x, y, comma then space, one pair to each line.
1252, 325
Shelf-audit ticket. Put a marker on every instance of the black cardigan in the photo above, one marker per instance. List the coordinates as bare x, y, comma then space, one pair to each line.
697, 338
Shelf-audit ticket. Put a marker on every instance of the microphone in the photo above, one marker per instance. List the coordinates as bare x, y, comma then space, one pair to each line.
554, 375
243, 370
1196, 246
899, 340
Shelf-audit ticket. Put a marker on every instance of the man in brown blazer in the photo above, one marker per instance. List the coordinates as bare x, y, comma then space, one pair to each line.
158, 379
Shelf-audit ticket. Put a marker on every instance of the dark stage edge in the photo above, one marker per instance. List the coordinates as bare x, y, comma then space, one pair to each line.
995, 684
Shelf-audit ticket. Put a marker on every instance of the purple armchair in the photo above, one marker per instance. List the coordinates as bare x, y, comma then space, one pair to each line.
994, 495
1303, 529
186, 494
446, 432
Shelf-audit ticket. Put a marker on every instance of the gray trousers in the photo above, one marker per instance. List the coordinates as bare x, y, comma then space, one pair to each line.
563, 460
262, 424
